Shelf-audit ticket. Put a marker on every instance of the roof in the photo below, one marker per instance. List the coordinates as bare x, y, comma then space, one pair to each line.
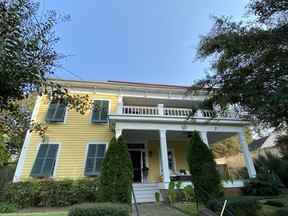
265, 142
256, 144
149, 84
124, 85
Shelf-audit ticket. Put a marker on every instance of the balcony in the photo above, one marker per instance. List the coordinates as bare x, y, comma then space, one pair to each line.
172, 113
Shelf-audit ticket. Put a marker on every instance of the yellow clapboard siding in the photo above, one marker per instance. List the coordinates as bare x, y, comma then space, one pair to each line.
73, 136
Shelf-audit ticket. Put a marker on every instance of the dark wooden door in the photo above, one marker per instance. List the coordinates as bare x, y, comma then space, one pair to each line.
137, 168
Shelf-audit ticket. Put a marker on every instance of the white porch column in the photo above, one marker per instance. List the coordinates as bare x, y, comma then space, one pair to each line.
120, 105
164, 158
161, 109
203, 135
118, 133
247, 155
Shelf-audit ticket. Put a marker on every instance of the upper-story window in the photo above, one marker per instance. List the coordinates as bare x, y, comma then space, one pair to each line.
45, 160
100, 111
56, 111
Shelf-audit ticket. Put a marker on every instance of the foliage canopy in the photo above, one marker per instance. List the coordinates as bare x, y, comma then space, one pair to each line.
250, 58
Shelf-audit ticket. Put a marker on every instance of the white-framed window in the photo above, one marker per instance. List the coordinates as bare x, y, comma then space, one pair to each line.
95, 156
45, 161
100, 111
56, 111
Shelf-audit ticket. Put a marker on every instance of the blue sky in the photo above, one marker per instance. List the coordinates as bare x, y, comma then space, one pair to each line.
146, 41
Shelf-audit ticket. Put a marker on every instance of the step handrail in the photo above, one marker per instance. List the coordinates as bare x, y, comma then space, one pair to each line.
135, 202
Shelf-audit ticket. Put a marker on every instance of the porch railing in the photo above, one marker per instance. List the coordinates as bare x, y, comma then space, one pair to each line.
161, 111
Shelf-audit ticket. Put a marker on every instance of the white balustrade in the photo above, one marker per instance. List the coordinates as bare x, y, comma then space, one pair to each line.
177, 112
159, 111
140, 111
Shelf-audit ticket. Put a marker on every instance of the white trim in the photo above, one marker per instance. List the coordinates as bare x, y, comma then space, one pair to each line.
108, 114
22, 157
57, 159
106, 143
176, 127
182, 120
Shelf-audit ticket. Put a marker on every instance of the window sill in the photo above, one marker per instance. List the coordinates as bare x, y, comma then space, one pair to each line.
99, 122
91, 174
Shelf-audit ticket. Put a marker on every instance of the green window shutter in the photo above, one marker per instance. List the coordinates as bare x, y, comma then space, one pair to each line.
45, 160
100, 111
56, 112
94, 159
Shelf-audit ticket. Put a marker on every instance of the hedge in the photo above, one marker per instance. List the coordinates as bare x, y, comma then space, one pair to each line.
50, 193
282, 212
238, 206
7, 207
100, 209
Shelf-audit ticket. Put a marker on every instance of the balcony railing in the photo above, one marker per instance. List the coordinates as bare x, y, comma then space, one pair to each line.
161, 111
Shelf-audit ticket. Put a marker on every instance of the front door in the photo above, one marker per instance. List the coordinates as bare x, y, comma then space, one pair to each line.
137, 165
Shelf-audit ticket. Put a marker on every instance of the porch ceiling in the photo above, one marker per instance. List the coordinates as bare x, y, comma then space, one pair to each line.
139, 136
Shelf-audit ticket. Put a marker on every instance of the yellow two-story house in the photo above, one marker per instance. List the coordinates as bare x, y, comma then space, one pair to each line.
152, 118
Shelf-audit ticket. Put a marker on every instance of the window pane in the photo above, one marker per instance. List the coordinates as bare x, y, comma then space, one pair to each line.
42, 150
37, 167
51, 111
104, 113
91, 150
98, 165
89, 166
100, 150
60, 112
52, 153
48, 167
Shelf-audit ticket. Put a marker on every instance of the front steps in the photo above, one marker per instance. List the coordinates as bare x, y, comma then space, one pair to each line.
145, 192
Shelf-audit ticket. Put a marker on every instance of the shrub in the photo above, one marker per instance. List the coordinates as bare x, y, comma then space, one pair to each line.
22, 194
99, 209
6, 176
51, 193
157, 197
240, 206
172, 195
265, 184
7, 208
205, 178
274, 203
282, 212
273, 164
116, 173
188, 193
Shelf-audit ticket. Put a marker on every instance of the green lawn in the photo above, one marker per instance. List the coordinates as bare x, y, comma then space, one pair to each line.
37, 214
187, 208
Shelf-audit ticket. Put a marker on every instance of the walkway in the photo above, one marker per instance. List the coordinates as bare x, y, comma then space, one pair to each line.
157, 210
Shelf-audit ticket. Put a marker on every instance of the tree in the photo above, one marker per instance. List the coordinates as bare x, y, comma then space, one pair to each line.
249, 66
115, 183
27, 59
205, 178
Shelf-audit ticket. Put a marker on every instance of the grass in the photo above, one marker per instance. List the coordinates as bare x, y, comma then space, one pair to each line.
37, 214
188, 208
